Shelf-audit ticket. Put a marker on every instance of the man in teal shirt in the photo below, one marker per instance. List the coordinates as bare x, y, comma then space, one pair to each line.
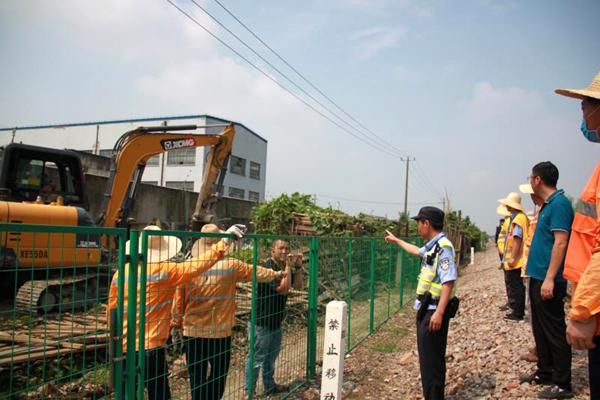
547, 287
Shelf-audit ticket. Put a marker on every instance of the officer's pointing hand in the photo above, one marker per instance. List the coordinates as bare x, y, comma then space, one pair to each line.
390, 238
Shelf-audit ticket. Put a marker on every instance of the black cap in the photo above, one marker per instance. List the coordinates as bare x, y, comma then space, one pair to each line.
432, 214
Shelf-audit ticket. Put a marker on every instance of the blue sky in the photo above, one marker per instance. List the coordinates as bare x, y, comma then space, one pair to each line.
466, 87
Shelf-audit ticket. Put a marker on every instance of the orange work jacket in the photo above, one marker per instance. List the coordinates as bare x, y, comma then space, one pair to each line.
583, 254
585, 229
162, 278
207, 303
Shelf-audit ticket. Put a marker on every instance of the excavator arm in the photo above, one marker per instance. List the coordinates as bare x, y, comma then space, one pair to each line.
133, 150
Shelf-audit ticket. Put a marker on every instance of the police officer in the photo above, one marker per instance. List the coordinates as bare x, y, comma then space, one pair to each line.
435, 304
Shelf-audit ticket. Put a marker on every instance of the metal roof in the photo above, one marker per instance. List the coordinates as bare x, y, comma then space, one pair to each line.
121, 121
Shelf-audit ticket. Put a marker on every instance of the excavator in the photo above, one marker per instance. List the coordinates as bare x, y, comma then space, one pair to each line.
44, 186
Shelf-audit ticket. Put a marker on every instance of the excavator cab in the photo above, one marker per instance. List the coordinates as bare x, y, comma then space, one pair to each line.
28, 172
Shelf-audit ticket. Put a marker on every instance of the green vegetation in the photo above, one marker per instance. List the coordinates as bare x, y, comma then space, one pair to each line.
275, 217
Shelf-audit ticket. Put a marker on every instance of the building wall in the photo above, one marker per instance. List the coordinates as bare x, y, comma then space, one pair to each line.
173, 208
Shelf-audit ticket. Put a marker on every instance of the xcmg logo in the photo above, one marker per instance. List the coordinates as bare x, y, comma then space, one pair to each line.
178, 144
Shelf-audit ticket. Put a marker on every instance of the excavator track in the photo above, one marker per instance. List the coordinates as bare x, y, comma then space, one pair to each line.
74, 293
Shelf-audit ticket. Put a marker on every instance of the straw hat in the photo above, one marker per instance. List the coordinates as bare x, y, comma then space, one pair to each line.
526, 188
160, 248
513, 200
502, 210
592, 90
201, 245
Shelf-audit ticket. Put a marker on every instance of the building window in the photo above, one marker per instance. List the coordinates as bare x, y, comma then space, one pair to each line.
155, 183
153, 161
236, 193
182, 156
106, 153
181, 185
237, 166
254, 170
253, 196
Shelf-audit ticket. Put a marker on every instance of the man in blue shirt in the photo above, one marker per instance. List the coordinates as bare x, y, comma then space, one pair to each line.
547, 287
434, 292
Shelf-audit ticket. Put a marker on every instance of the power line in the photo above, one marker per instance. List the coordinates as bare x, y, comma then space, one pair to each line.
371, 144
305, 79
256, 53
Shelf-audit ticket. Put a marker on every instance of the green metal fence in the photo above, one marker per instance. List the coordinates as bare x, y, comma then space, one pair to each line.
204, 323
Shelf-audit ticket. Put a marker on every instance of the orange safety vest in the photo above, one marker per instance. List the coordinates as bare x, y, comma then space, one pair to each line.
161, 280
207, 303
521, 220
529, 239
585, 231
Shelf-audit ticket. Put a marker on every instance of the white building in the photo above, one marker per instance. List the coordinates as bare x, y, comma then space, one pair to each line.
178, 169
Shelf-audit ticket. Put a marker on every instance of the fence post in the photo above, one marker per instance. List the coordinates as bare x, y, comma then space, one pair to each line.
130, 375
142, 346
349, 290
372, 288
388, 285
401, 264
118, 320
311, 357
252, 333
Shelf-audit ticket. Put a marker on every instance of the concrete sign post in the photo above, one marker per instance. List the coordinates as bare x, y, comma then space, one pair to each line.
472, 256
333, 352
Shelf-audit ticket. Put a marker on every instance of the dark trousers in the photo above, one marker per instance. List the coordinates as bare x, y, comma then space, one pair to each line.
432, 357
200, 353
156, 375
594, 369
516, 291
549, 332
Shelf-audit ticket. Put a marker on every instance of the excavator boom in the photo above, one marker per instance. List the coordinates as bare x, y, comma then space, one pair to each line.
133, 150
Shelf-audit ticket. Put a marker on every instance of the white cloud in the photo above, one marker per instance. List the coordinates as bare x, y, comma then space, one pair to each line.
370, 42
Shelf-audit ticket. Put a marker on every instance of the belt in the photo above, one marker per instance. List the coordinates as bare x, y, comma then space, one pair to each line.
422, 297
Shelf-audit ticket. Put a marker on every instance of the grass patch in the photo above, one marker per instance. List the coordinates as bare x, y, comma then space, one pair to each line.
385, 346
98, 376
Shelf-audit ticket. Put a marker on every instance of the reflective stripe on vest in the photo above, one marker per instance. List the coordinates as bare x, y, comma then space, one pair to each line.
428, 272
218, 272
586, 209
207, 298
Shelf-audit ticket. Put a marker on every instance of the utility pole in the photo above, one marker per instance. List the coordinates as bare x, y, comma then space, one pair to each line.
407, 160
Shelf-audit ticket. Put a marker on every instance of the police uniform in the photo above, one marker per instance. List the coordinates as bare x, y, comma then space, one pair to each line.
437, 267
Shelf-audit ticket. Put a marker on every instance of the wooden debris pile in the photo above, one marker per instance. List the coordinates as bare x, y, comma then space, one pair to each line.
302, 225
53, 336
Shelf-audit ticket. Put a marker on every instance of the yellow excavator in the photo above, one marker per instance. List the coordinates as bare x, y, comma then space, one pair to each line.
46, 186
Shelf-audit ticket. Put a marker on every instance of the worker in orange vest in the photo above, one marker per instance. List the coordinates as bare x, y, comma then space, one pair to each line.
162, 278
582, 264
205, 309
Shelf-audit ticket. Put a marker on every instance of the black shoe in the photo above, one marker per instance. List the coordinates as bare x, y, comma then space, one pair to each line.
513, 317
535, 378
277, 389
555, 392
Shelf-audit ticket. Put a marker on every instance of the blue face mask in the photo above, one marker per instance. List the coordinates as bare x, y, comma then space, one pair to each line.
589, 134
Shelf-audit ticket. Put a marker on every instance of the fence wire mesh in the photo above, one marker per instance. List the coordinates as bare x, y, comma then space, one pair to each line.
54, 334
210, 319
